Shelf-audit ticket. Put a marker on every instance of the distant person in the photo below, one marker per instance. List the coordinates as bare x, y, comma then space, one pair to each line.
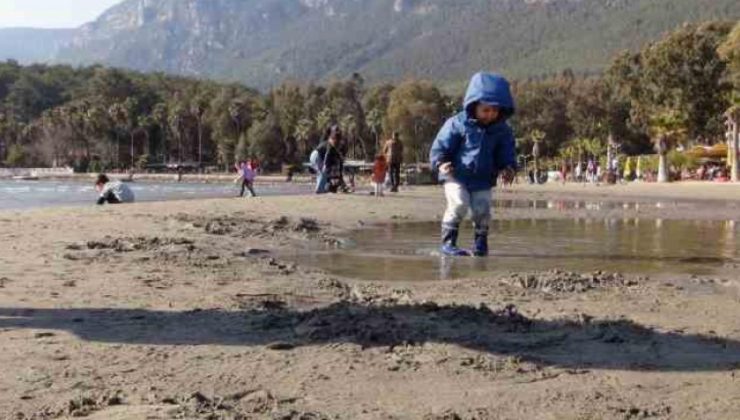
591, 171
471, 150
380, 168
564, 172
327, 161
393, 151
247, 175
113, 192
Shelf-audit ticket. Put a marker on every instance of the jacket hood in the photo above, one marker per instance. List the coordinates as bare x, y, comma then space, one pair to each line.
490, 88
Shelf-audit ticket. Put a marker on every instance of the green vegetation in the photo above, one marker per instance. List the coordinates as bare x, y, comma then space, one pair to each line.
673, 91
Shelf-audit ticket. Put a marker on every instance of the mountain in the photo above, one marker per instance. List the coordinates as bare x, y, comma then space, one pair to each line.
28, 45
262, 42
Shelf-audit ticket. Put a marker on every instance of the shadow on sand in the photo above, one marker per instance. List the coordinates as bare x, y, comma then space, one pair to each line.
591, 343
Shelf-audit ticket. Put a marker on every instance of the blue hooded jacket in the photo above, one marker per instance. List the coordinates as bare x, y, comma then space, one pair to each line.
478, 152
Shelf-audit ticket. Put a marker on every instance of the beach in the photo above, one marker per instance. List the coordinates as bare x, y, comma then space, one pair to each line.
198, 309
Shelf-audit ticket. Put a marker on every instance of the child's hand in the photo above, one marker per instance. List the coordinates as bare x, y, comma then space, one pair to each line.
445, 168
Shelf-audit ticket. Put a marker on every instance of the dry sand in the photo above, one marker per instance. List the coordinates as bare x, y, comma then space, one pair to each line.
188, 310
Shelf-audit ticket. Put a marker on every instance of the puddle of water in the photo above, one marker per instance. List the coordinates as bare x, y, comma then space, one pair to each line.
409, 251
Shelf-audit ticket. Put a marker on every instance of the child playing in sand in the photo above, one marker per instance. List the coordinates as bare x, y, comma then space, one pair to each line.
471, 150
380, 168
113, 192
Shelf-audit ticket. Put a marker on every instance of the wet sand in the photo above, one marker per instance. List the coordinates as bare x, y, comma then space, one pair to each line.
195, 310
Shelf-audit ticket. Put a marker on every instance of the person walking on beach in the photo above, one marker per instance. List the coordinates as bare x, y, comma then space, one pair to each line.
471, 150
591, 171
247, 176
393, 151
327, 160
380, 168
112, 192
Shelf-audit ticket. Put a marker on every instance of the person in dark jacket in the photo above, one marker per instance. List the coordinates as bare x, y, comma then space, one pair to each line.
470, 152
327, 160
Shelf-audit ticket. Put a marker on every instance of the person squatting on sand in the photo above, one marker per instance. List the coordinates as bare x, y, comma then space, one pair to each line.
112, 192
471, 150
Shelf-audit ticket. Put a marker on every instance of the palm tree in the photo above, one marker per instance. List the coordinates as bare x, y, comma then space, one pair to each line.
595, 147
198, 110
733, 136
324, 119
160, 116
537, 137
117, 115
145, 124
568, 154
177, 126
374, 121
349, 127
96, 123
303, 131
666, 129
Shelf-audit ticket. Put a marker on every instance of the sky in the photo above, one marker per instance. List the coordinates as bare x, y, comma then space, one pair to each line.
50, 13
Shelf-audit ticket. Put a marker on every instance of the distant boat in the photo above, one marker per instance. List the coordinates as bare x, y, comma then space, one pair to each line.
25, 178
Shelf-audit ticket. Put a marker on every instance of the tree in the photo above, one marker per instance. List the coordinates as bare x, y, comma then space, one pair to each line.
416, 111
241, 153
178, 127
733, 141
304, 131
266, 142
160, 117
682, 73
666, 127
375, 102
288, 106
543, 106
198, 111
344, 104
374, 120
125, 118
537, 137
16, 156
730, 52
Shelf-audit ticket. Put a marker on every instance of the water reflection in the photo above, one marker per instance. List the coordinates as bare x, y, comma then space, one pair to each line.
409, 251
588, 205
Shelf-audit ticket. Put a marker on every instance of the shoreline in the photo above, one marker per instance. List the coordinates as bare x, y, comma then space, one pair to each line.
168, 178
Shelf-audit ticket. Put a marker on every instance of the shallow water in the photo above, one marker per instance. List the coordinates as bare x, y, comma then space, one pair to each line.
48, 193
409, 251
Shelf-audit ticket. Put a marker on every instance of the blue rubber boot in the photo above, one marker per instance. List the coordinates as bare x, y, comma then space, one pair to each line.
481, 245
449, 244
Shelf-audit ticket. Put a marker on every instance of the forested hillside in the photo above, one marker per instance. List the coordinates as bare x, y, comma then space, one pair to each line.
265, 42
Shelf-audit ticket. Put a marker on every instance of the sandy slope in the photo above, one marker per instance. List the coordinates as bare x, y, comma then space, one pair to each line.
174, 310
